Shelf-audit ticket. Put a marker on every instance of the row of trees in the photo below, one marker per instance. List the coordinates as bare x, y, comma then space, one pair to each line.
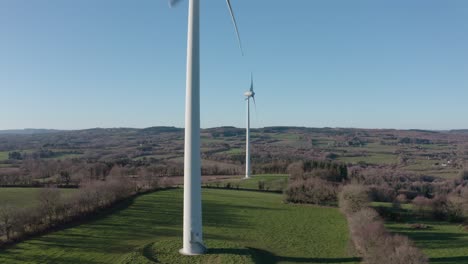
368, 234
53, 208
75, 171
385, 184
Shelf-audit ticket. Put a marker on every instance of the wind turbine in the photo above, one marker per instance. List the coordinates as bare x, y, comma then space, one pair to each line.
193, 236
249, 94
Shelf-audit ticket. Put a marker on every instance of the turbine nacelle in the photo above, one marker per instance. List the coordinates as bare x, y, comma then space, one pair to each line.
249, 94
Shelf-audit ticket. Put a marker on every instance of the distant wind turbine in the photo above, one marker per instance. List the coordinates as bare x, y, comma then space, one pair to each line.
249, 94
193, 236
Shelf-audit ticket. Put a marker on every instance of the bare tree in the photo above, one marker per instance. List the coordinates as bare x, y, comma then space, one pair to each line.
6, 220
49, 200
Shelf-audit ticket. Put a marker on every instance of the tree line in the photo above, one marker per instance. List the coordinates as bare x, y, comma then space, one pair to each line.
54, 209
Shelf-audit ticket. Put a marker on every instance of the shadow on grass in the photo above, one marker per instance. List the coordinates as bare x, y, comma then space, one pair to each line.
430, 239
260, 256
460, 259
114, 231
148, 253
103, 213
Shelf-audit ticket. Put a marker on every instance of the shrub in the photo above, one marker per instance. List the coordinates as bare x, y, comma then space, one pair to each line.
419, 226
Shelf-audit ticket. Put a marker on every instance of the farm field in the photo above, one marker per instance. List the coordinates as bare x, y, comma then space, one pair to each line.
273, 182
426, 153
24, 197
374, 158
443, 243
3, 155
239, 227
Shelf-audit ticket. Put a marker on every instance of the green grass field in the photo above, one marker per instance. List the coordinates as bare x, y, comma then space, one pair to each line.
371, 158
274, 182
239, 227
443, 243
3, 155
24, 197
234, 151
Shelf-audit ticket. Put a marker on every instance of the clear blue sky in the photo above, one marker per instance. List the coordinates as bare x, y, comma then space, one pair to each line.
71, 64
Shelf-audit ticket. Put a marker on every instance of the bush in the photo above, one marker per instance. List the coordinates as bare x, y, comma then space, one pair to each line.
419, 226
353, 198
312, 190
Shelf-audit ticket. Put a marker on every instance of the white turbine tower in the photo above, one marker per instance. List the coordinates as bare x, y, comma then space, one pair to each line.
193, 236
249, 94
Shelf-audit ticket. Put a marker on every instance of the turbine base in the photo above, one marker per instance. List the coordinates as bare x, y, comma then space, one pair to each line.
194, 249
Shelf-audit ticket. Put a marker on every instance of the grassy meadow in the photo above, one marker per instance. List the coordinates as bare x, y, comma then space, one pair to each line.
3, 155
274, 182
239, 227
25, 197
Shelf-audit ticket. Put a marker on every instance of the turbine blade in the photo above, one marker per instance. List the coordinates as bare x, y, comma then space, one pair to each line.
173, 3
255, 104
235, 25
251, 82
